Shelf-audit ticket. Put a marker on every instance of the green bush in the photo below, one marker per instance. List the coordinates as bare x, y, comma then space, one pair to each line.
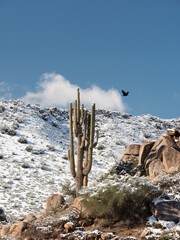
68, 189
120, 198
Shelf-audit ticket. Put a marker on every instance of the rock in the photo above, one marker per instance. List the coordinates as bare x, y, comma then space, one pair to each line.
127, 167
156, 168
167, 210
144, 150
30, 218
69, 227
54, 203
126, 157
107, 236
164, 141
157, 149
171, 159
173, 132
16, 230
132, 149
4, 231
178, 143
145, 232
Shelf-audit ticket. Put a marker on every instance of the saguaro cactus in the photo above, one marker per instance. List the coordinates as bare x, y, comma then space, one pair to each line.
82, 126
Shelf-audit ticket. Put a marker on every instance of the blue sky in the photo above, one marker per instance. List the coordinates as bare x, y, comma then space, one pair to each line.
49, 47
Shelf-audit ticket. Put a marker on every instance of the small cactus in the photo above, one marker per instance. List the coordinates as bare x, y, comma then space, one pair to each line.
82, 126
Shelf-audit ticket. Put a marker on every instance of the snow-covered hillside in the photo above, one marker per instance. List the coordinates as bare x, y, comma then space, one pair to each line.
33, 150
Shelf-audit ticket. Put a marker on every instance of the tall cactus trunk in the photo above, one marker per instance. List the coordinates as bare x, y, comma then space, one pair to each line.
82, 125
85, 177
79, 174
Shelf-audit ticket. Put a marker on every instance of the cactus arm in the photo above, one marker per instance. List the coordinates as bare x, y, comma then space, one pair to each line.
97, 137
87, 169
82, 115
92, 124
84, 130
85, 177
71, 150
78, 106
75, 118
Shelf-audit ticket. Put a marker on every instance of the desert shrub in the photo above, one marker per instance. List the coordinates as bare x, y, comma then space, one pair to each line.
170, 184
15, 126
146, 135
50, 148
19, 120
25, 165
68, 188
38, 151
120, 198
100, 147
11, 132
157, 126
22, 140
2, 109
29, 148
65, 157
54, 123
4, 129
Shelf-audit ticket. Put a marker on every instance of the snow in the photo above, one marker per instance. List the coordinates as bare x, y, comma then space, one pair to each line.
28, 177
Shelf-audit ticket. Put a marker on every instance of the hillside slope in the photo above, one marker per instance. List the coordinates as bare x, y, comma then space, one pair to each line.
33, 150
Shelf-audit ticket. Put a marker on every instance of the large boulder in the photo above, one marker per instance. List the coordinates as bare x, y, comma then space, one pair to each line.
156, 168
157, 149
164, 141
130, 152
54, 203
17, 230
171, 159
4, 230
167, 210
144, 150
178, 143
132, 149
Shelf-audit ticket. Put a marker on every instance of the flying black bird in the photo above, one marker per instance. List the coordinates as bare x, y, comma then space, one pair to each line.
124, 93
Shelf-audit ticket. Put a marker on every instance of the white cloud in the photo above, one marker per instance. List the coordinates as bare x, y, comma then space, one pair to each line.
55, 90
5, 91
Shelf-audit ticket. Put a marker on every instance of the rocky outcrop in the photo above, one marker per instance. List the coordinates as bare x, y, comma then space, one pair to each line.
15, 231
144, 151
157, 157
156, 168
132, 149
171, 159
167, 210
130, 152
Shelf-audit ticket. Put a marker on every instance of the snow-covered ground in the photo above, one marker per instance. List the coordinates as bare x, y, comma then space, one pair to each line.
30, 172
